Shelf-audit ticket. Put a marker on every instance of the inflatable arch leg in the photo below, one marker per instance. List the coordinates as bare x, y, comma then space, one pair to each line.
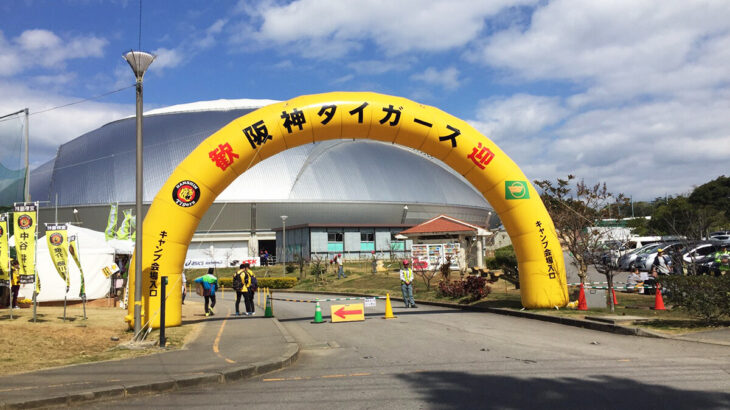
221, 158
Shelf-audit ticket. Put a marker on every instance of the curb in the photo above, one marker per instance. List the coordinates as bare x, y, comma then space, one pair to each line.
586, 324
172, 384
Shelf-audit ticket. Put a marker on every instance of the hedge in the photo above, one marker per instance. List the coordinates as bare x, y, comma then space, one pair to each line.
705, 297
271, 283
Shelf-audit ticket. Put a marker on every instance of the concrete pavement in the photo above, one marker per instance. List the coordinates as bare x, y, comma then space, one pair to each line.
228, 348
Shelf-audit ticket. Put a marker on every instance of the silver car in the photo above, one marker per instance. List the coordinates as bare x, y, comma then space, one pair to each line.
645, 261
626, 261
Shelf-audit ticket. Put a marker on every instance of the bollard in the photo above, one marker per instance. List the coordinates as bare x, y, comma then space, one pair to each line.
163, 291
269, 310
388, 308
318, 314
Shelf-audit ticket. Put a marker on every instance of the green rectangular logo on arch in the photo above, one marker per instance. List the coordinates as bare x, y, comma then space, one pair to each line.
516, 190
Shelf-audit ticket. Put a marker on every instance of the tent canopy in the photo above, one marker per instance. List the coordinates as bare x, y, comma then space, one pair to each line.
95, 253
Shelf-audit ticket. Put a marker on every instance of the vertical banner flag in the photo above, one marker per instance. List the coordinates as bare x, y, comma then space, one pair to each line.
57, 236
124, 228
73, 249
4, 252
24, 217
111, 223
133, 225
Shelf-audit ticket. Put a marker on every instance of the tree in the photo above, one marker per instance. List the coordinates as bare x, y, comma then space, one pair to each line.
419, 268
576, 208
714, 194
679, 216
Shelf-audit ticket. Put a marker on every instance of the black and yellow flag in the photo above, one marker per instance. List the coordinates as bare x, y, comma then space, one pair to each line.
73, 249
25, 224
57, 238
4, 251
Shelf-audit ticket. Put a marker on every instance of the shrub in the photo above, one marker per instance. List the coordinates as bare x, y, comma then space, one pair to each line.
705, 297
290, 268
474, 287
504, 256
451, 289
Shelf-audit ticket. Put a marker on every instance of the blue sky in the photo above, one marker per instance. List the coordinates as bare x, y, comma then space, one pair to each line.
634, 93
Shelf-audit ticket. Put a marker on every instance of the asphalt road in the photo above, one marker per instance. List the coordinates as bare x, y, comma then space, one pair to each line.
439, 358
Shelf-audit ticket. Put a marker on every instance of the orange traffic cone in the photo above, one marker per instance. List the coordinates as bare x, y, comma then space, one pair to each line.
615, 302
582, 305
658, 301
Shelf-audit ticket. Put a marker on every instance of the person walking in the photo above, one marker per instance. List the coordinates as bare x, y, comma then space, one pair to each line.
15, 282
251, 284
340, 268
406, 284
210, 284
239, 286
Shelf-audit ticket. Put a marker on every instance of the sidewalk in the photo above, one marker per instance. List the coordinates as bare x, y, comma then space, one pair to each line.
227, 348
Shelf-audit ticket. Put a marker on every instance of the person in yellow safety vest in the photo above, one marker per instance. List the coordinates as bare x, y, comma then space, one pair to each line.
239, 285
406, 284
15, 282
722, 260
249, 283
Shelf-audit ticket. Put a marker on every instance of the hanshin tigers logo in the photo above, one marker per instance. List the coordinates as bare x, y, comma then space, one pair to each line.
186, 193
25, 222
56, 239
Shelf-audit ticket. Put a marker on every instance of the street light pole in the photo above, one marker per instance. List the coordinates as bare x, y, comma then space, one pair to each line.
139, 62
283, 240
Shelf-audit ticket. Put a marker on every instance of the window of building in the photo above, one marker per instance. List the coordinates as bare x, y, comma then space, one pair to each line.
396, 244
335, 241
367, 241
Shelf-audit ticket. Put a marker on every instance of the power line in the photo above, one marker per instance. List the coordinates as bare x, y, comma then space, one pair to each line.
96, 97
140, 25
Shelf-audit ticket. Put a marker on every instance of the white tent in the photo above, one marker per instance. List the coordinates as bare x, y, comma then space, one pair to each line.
95, 254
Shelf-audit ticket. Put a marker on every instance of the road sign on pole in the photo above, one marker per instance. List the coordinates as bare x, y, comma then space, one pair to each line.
348, 313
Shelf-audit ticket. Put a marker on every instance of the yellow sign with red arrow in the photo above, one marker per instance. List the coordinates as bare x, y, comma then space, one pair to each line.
348, 313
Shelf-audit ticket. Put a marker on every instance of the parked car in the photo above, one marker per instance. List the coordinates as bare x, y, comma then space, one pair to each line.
698, 258
645, 261
626, 262
719, 233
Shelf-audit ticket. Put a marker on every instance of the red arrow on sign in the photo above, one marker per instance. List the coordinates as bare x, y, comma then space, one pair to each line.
341, 312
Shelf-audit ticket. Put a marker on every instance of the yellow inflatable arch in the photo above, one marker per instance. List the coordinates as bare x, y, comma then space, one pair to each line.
221, 158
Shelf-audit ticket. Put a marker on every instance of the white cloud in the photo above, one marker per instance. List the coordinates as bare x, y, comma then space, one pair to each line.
517, 117
166, 58
184, 52
346, 25
50, 129
644, 93
622, 48
44, 48
644, 149
447, 78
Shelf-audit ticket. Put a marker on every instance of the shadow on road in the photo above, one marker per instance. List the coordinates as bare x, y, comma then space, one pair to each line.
458, 390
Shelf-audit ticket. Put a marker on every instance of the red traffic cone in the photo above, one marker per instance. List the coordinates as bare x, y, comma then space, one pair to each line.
658, 301
582, 305
615, 302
